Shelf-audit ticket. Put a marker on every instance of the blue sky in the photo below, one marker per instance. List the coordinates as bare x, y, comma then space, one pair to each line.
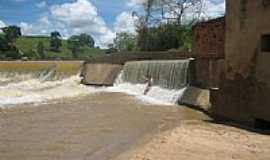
100, 18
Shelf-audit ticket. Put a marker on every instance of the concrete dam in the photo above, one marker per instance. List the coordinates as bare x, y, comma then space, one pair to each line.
172, 80
40, 82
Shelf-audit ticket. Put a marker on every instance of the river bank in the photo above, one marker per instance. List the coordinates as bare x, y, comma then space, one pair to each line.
199, 140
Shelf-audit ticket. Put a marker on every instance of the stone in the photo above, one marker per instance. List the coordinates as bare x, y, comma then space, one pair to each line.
197, 98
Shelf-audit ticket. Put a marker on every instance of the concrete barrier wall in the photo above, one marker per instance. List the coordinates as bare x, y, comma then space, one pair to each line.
63, 67
206, 68
100, 74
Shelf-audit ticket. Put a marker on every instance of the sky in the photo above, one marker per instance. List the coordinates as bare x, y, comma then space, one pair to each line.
100, 18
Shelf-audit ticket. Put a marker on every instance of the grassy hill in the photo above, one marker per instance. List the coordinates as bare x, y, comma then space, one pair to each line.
28, 45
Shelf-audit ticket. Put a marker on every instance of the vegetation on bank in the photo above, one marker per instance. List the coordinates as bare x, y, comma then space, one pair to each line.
29, 46
15, 46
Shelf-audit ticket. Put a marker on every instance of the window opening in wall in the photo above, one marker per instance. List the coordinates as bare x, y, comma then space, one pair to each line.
265, 43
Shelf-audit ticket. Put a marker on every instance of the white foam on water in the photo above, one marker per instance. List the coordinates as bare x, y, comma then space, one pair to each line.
22, 89
157, 95
38, 91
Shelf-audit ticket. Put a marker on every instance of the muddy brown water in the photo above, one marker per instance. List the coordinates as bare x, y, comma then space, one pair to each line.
95, 127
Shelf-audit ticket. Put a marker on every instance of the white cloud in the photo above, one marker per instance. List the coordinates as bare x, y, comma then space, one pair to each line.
76, 17
81, 16
212, 9
125, 22
41, 4
2, 24
41, 27
133, 3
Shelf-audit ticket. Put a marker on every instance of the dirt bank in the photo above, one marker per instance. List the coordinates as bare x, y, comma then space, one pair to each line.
197, 140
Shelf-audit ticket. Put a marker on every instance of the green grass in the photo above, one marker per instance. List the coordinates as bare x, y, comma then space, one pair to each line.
28, 45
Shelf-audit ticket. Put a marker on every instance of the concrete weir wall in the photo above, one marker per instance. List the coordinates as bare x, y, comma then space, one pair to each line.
206, 68
62, 67
100, 74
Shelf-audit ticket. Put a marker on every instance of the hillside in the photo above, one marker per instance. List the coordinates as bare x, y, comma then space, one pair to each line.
28, 46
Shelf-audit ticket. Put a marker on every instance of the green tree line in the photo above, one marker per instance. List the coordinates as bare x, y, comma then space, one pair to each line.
13, 44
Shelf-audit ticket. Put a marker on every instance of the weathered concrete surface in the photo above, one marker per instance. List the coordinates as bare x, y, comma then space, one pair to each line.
196, 97
244, 92
100, 74
65, 67
207, 72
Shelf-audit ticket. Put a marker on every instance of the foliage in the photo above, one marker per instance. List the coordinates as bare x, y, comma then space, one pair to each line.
86, 40
3, 43
165, 37
171, 11
11, 33
8, 48
185, 38
55, 41
166, 24
41, 49
111, 49
125, 42
73, 44
26, 44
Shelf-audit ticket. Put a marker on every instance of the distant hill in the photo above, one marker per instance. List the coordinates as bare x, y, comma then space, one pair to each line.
28, 46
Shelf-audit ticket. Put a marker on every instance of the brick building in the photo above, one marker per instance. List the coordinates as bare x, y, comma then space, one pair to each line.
244, 94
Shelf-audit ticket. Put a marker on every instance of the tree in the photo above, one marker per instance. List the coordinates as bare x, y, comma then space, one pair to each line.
111, 49
55, 41
125, 42
171, 11
11, 33
161, 38
7, 42
86, 40
74, 45
166, 24
3, 43
40, 50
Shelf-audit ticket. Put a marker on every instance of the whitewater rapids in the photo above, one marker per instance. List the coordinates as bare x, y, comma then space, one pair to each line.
27, 88
22, 89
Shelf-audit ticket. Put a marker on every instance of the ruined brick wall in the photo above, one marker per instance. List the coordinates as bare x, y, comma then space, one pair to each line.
209, 37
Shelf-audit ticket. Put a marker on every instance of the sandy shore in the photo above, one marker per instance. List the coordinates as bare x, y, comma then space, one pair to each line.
198, 140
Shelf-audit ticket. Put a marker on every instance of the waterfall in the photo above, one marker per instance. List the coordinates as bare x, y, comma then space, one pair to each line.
40, 86
166, 74
170, 79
